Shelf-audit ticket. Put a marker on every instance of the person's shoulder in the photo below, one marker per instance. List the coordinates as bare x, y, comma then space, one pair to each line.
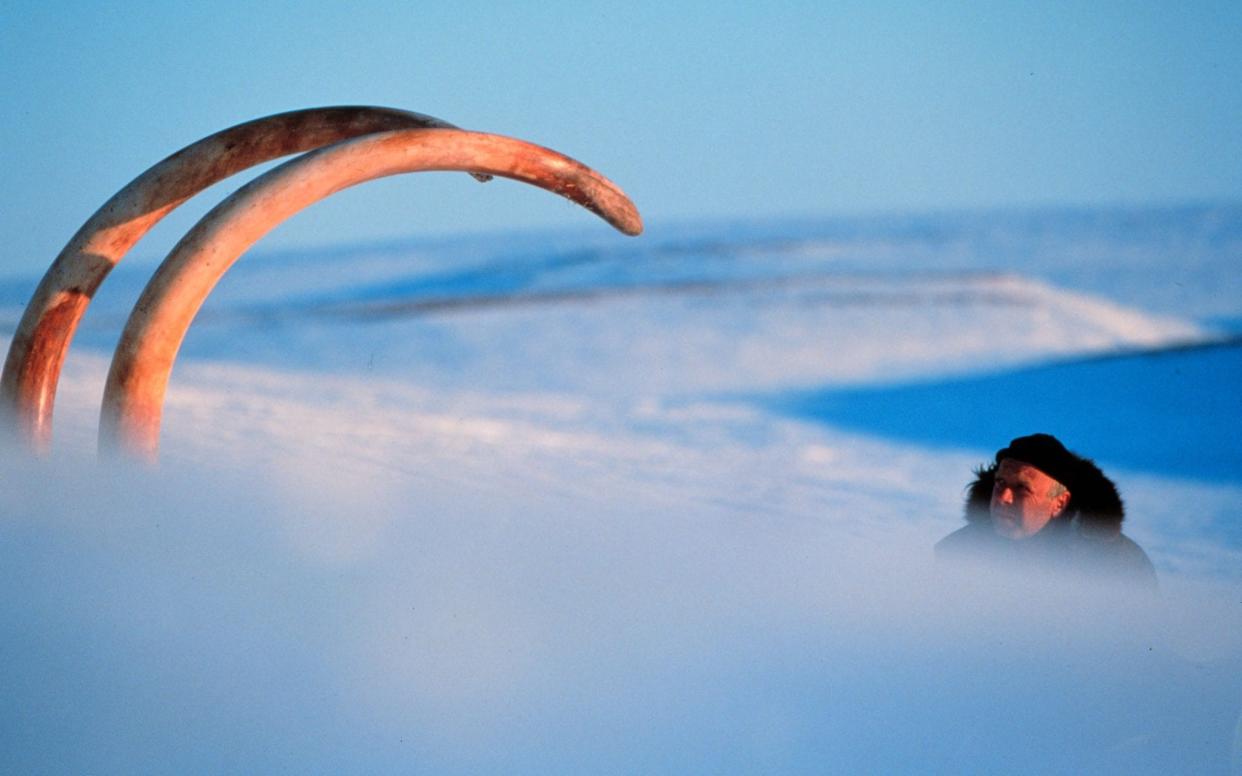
969, 538
1134, 558
1121, 557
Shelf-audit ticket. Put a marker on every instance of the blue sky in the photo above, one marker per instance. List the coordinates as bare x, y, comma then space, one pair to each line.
695, 109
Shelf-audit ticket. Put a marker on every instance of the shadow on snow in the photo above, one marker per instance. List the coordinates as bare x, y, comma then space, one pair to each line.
1175, 412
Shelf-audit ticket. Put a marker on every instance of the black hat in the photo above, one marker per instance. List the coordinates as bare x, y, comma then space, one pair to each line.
1046, 453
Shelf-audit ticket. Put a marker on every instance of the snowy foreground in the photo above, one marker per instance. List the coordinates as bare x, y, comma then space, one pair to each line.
574, 504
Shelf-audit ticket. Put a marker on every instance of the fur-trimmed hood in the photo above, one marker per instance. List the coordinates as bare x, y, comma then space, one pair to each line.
1095, 505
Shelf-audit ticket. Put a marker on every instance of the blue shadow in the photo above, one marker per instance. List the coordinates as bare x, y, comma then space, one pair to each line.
1173, 412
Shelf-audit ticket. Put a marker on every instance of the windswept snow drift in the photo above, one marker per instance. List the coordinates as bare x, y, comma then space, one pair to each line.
536, 512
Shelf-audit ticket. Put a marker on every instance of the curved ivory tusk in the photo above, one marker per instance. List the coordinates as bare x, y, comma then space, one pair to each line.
134, 395
37, 352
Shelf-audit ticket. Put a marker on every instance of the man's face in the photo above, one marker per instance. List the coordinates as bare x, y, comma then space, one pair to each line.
1024, 499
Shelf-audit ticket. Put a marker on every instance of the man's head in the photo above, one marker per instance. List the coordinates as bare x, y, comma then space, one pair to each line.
1034, 475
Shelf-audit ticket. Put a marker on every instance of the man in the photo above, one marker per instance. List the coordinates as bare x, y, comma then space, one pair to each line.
1038, 504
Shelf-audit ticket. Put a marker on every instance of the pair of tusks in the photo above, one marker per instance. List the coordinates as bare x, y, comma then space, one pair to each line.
352, 145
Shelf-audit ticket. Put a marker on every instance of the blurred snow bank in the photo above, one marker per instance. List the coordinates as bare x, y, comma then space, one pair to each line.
260, 615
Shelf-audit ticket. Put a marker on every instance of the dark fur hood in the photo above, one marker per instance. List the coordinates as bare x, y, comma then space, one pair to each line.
1094, 504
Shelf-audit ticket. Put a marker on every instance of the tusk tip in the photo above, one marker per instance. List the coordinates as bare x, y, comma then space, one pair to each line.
629, 222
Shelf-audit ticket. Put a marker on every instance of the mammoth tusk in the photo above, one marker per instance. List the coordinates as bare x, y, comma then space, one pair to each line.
134, 395
37, 351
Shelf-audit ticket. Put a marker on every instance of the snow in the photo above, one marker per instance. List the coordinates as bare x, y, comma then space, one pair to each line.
566, 503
